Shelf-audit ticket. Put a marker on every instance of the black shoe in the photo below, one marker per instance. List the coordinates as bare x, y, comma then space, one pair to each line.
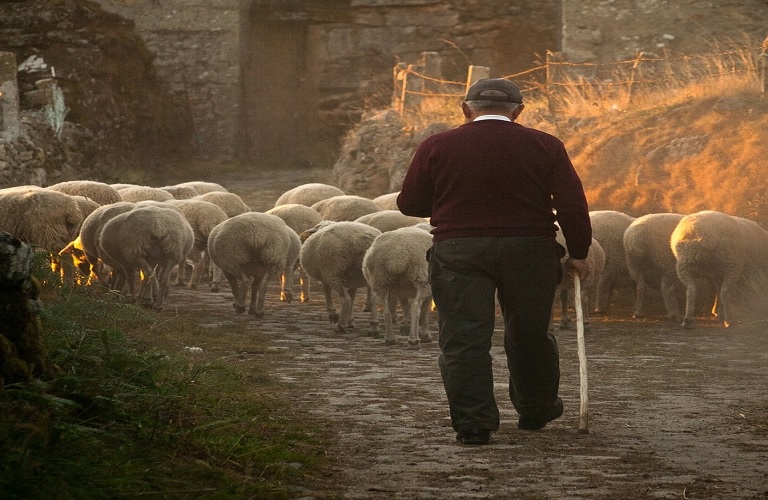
474, 436
538, 421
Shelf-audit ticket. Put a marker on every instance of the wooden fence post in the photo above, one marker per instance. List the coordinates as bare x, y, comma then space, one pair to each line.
475, 73
399, 78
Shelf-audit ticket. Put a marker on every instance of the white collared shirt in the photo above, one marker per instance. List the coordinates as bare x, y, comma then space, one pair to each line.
492, 117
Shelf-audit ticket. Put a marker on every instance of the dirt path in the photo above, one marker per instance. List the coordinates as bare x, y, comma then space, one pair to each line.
673, 413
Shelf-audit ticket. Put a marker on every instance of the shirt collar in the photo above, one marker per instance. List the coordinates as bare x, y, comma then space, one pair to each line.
492, 117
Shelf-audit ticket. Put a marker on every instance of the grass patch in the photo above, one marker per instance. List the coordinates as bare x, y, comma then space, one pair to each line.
121, 419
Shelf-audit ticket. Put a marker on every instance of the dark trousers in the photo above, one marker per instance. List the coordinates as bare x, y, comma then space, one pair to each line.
467, 275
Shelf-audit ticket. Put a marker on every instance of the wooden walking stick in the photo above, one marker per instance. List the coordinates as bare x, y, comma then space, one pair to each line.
583, 384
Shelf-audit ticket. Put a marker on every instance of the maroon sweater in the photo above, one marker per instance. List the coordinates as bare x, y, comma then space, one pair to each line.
497, 178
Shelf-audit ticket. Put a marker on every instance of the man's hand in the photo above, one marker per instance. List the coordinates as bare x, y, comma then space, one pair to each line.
580, 266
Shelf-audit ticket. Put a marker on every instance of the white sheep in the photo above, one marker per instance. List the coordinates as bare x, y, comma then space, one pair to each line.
299, 218
308, 194
151, 239
608, 228
85, 248
650, 261
395, 267
333, 255
565, 290
387, 201
203, 216
100, 192
43, 218
722, 248
202, 187
181, 192
231, 203
388, 220
254, 247
136, 194
346, 207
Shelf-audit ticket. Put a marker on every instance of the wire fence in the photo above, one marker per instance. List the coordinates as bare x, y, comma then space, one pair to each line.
559, 81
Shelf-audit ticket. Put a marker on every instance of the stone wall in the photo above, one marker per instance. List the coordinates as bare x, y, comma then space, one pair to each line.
277, 83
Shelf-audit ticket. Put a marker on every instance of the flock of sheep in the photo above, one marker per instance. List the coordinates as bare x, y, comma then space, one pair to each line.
127, 235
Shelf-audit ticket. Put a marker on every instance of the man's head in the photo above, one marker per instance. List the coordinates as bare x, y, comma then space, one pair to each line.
493, 96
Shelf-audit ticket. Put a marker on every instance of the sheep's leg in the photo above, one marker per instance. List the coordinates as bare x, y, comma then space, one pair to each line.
258, 295
603, 294
305, 288
332, 315
426, 304
367, 306
669, 294
640, 293
726, 301
405, 305
216, 274
689, 280
164, 281
389, 331
149, 287
200, 261
237, 284
375, 329
286, 284
346, 318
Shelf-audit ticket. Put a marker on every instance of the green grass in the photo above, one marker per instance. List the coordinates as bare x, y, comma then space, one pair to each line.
119, 419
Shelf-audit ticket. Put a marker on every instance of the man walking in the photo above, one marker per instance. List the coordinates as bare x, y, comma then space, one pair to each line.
493, 190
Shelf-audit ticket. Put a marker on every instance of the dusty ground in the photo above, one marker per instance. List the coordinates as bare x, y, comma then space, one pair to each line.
673, 413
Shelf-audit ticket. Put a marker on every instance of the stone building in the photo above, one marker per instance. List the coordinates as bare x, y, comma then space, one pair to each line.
276, 83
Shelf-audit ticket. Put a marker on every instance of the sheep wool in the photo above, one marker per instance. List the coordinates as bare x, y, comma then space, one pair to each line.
565, 290
395, 267
387, 201
253, 246
651, 263
101, 193
346, 207
388, 220
333, 255
230, 203
608, 228
726, 249
40, 217
308, 194
136, 194
150, 239
202, 187
299, 218
202, 216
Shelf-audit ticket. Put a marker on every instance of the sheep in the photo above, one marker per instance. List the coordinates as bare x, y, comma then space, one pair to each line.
650, 261
150, 239
347, 207
231, 203
84, 249
181, 192
43, 218
596, 261
722, 248
254, 246
66, 262
203, 216
299, 218
608, 228
141, 193
202, 187
395, 267
387, 201
308, 194
388, 220
333, 254
101, 193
